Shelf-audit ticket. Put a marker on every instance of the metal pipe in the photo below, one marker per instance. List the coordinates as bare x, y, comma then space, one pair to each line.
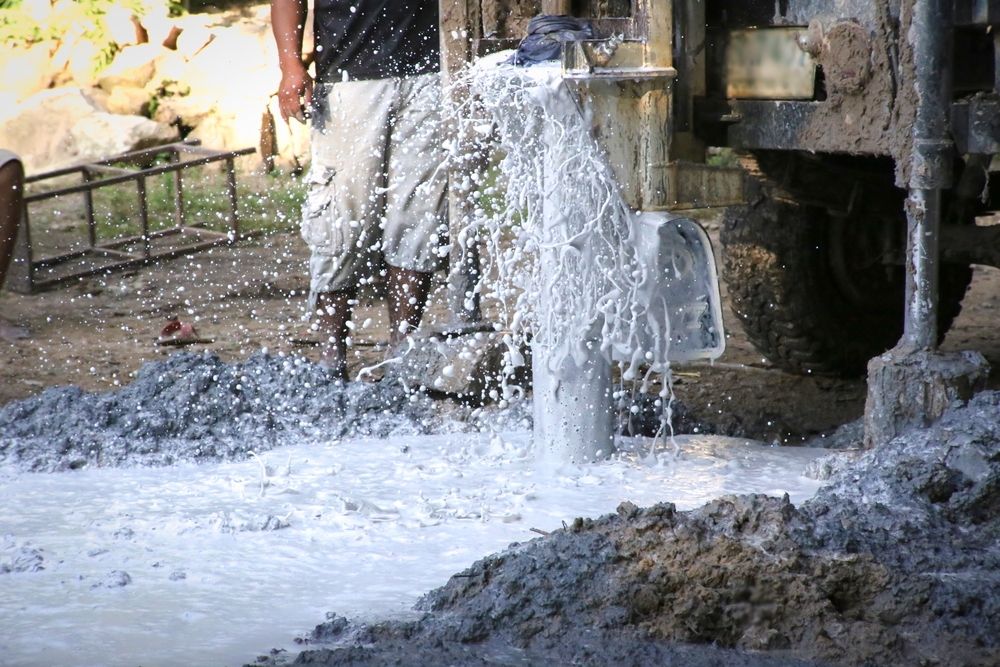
234, 223
88, 197
923, 217
140, 186
148, 173
572, 393
178, 194
930, 37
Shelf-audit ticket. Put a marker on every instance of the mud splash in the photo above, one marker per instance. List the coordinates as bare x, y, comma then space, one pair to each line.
195, 407
894, 563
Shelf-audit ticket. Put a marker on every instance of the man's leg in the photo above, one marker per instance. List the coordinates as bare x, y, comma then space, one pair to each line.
340, 218
335, 312
406, 293
415, 204
11, 203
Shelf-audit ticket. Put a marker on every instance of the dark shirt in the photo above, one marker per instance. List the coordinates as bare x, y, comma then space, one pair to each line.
379, 40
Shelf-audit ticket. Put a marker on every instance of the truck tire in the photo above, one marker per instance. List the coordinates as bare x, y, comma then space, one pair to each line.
806, 280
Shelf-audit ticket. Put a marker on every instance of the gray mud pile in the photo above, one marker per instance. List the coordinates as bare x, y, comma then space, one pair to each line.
195, 407
896, 562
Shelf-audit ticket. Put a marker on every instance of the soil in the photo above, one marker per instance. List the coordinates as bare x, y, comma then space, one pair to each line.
195, 407
97, 333
893, 563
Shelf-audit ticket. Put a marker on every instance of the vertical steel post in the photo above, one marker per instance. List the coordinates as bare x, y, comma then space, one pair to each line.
234, 223
140, 185
178, 194
913, 384
923, 218
930, 36
88, 198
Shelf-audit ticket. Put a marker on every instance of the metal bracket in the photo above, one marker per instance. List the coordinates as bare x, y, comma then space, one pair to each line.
28, 273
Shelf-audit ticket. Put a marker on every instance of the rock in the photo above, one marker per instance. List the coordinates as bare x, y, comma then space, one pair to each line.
99, 97
189, 111
330, 631
128, 101
25, 70
162, 29
193, 38
65, 126
75, 60
234, 122
37, 10
232, 63
171, 72
16, 558
101, 135
124, 27
133, 66
8, 100
232, 126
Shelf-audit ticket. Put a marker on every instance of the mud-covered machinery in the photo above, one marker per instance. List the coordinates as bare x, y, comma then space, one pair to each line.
865, 130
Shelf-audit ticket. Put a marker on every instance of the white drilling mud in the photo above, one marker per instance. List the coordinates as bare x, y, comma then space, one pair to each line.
567, 256
216, 562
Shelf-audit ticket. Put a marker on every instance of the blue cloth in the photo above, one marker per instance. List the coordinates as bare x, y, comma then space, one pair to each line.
546, 35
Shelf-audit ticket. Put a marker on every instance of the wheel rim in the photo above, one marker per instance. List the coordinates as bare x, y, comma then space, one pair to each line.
856, 252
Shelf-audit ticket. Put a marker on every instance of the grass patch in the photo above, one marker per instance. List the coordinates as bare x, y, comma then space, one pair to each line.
269, 203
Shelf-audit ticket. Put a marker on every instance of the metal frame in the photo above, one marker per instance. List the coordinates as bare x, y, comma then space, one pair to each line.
23, 274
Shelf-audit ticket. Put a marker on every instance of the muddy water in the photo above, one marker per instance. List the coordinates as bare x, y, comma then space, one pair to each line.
893, 563
222, 561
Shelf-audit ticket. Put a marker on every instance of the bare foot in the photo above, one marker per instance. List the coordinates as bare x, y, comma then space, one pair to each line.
334, 362
8, 331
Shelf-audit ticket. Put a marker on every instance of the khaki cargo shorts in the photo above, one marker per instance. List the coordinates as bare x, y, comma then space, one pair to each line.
376, 185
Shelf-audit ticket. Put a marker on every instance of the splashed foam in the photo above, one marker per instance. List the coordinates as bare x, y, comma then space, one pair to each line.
564, 262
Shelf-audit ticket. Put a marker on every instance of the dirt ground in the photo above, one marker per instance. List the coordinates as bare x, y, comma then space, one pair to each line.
887, 565
97, 332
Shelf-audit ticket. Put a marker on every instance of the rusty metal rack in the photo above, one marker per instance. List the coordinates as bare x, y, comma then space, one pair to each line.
28, 273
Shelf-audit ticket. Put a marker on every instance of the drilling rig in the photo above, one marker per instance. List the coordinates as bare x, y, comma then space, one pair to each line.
849, 141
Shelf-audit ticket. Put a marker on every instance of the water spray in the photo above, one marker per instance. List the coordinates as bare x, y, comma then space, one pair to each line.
574, 270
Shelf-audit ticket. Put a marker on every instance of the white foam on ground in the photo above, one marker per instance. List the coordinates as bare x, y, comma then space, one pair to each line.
371, 526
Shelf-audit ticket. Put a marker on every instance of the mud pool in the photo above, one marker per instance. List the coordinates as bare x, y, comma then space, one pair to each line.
219, 562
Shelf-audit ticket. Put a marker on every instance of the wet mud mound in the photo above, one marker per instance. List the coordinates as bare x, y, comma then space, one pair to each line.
195, 407
894, 563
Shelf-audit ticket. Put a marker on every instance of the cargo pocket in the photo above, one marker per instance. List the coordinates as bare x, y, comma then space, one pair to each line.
319, 212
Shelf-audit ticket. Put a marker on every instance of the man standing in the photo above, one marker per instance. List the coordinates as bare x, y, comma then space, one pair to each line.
376, 202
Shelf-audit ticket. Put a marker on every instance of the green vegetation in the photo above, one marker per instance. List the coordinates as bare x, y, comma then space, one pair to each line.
268, 203
722, 157
83, 19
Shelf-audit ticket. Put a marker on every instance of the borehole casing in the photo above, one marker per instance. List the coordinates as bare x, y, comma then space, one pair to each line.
573, 414
573, 411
